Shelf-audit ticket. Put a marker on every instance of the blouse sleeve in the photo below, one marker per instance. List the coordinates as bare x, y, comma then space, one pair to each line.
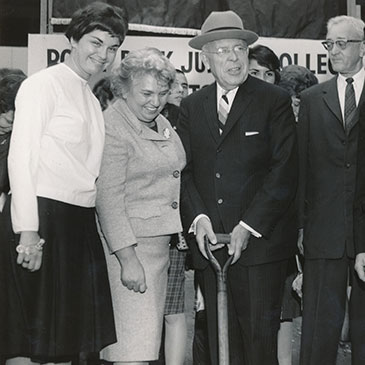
33, 109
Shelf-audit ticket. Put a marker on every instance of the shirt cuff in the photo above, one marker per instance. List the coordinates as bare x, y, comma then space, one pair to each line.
192, 228
253, 232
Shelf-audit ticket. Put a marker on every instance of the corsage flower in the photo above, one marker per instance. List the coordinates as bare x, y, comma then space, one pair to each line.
166, 133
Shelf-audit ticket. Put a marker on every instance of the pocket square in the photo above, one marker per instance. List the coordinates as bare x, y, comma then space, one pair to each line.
248, 134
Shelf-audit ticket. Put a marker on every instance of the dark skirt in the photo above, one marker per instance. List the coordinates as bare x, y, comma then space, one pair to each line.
64, 308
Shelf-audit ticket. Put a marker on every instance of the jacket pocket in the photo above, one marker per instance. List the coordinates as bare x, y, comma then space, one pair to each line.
144, 212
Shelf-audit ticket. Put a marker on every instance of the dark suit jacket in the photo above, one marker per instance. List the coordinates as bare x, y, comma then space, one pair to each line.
328, 158
4, 150
248, 173
359, 205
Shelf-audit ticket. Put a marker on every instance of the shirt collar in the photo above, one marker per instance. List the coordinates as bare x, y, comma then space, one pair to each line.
358, 78
83, 81
230, 94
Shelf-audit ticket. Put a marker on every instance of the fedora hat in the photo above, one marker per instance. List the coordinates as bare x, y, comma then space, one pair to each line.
222, 25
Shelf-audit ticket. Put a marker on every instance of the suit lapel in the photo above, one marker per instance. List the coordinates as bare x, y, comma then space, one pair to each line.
210, 111
330, 96
143, 131
241, 101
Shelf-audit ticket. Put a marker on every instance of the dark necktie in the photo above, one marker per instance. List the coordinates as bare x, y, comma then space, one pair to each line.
223, 109
350, 104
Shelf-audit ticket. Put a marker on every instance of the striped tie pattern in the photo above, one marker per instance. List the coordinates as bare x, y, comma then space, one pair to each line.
223, 110
350, 104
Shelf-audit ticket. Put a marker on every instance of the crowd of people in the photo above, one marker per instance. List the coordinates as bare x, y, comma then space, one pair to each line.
104, 191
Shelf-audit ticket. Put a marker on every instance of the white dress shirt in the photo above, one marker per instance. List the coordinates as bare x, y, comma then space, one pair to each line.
56, 144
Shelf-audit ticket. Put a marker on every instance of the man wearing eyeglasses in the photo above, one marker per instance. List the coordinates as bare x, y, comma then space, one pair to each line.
328, 137
241, 179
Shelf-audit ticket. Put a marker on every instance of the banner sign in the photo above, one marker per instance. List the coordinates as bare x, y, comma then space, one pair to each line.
46, 50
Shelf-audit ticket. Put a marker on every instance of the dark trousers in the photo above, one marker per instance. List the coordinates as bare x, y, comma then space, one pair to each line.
254, 306
324, 303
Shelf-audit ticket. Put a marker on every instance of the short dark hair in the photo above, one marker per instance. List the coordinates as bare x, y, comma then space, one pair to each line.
98, 15
9, 86
7, 71
267, 58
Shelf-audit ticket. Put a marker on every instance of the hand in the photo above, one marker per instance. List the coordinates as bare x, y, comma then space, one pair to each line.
297, 285
132, 272
239, 242
300, 241
204, 228
32, 261
360, 265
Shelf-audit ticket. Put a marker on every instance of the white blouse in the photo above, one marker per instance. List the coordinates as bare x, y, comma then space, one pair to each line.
56, 144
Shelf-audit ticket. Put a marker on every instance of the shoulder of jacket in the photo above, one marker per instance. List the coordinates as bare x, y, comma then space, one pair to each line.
317, 89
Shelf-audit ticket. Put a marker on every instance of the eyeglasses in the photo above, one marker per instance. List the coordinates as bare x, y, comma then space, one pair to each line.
340, 43
225, 51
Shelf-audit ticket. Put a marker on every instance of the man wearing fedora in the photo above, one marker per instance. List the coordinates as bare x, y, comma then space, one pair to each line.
241, 178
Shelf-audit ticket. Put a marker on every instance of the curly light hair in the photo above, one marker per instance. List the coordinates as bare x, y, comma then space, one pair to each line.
141, 62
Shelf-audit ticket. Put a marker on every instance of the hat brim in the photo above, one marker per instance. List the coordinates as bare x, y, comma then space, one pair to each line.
199, 41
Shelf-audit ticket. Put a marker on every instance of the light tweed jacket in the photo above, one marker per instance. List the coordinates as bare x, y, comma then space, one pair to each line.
138, 188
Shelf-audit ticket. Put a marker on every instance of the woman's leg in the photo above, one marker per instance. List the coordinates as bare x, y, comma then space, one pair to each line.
175, 338
285, 335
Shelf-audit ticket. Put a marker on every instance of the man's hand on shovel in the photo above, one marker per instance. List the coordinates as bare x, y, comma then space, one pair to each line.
204, 229
239, 242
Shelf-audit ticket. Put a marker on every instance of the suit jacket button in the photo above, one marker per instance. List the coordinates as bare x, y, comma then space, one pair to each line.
348, 165
174, 205
176, 173
220, 201
218, 175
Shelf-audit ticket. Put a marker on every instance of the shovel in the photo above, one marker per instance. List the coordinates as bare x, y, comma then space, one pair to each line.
222, 310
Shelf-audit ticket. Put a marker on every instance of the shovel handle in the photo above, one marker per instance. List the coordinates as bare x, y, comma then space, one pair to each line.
222, 309
221, 238
224, 238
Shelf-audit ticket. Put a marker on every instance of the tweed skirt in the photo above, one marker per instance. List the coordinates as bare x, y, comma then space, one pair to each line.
175, 296
65, 307
139, 316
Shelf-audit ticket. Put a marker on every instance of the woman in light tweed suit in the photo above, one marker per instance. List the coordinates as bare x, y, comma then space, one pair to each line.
138, 202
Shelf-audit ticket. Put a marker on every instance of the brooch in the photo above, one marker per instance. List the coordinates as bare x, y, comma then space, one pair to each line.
166, 133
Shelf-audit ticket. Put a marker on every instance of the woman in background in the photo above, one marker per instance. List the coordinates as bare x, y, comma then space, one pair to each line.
57, 294
175, 322
138, 202
9, 86
102, 90
264, 64
294, 79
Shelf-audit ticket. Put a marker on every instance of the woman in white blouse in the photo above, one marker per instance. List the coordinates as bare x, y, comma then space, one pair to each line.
57, 293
